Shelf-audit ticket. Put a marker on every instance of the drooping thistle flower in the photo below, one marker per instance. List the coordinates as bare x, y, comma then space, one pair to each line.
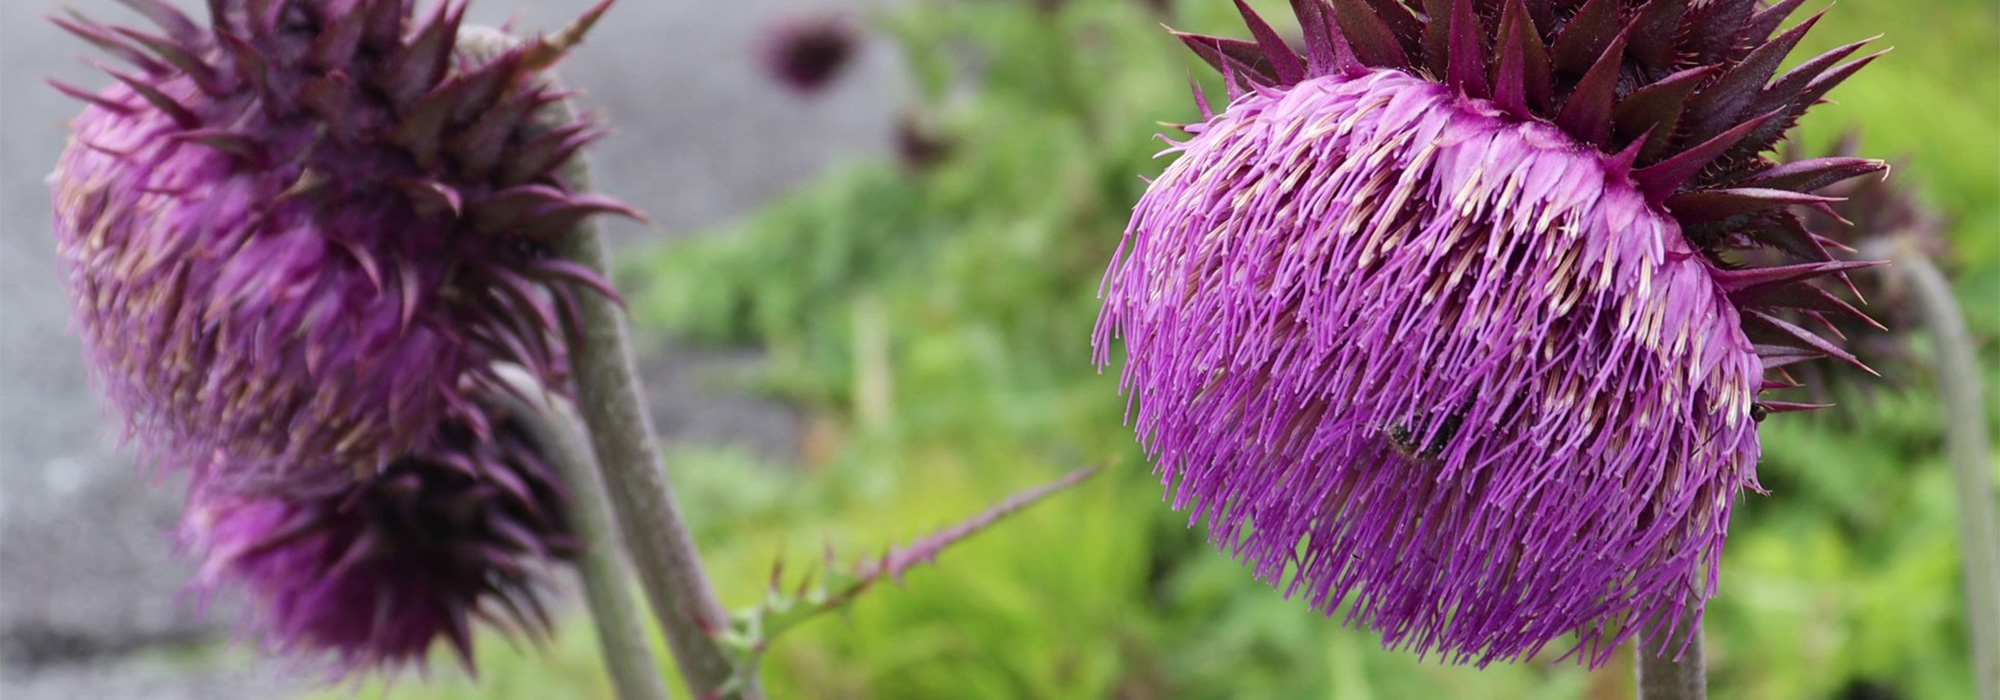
806, 52
290, 236
371, 576
1436, 321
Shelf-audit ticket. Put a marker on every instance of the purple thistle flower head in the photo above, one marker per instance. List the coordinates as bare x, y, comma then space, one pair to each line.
371, 576
1437, 321
296, 237
805, 53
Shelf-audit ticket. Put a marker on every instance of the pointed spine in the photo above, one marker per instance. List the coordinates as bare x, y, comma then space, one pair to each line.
1661, 179
1654, 110
1656, 30
1521, 79
1708, 205
1809, 175
1715, 108
1586, 38
1587, 111
1284, 63
1374, 43
1467, 40
1327, 50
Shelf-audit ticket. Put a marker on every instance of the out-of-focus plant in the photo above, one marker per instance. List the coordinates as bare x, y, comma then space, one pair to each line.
300, 242
805, 53
1885, 219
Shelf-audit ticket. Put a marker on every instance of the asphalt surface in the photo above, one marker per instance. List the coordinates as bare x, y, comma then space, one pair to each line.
89, 582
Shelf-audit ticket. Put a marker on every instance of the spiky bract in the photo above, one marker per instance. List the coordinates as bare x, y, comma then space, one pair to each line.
1437, 319
297, 237
1878, 214
370, 577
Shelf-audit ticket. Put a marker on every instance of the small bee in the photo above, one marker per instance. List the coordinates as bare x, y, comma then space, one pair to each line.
1404, 438
1758, 412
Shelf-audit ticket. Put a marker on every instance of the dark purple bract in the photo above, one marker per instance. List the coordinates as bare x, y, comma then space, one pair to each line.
371, 577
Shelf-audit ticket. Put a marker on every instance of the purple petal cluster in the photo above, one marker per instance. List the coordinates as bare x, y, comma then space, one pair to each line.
295, 237
1443, 323
372, 576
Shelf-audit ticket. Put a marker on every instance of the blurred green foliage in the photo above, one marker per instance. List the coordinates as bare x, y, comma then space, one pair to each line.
937, 325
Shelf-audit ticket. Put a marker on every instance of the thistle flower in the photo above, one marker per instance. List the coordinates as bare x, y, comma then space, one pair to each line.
1435, 318
292, 235
805, 53
371, 576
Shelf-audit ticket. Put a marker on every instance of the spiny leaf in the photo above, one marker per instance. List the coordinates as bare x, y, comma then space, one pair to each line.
177, 25
423, 62
1767, 20
1718, 18
1403, 23
196, 69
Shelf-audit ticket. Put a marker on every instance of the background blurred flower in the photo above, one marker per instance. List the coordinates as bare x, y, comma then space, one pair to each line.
370, 577
921, 143
1438, 319
290, 236
806, 52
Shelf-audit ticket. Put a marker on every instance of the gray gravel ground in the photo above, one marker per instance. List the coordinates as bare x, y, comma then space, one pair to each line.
88, 580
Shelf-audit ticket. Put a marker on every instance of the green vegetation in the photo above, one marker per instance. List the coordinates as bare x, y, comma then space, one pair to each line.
937, 325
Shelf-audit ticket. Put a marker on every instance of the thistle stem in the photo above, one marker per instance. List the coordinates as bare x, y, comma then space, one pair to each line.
628, 455
1970, 450
607, 387
1661, 676
628, 654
